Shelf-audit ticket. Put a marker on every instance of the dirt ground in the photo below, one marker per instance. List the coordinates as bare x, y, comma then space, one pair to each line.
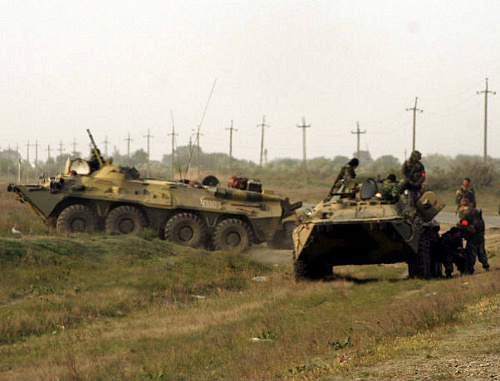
452, 357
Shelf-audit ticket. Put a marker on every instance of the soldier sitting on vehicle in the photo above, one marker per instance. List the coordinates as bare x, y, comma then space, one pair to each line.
389, 189
95, 160
414, 176
347, 172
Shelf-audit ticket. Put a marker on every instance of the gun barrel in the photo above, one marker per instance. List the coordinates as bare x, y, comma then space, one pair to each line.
95, 149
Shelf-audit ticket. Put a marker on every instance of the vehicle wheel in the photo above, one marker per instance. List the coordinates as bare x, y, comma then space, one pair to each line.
76, 219
185, 229
125, 219
420, 266
311, 270
232, 235
282, 239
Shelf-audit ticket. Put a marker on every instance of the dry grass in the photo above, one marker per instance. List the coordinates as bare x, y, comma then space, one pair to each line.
79, 308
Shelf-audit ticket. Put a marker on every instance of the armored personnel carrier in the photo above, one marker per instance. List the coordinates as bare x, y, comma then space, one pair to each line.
96, 195
354, 227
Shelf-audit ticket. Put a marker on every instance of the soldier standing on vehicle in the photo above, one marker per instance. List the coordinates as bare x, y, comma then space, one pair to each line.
453, 251
414, 175
472, 225
347, 172
465, 192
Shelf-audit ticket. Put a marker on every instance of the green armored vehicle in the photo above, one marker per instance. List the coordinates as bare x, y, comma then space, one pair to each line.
352, 227
94, 195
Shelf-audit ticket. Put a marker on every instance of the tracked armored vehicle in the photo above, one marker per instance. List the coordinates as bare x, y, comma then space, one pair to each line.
352, 227
95, 195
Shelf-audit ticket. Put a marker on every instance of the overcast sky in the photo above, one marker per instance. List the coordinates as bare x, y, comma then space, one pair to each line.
120, 67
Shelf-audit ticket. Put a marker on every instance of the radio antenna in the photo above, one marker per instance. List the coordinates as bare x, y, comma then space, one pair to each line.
200, 124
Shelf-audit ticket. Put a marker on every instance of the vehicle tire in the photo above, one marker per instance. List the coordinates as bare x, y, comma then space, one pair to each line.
420, 266
76, 219
186, 229
232, 235
311, 270
125, 219
282, 239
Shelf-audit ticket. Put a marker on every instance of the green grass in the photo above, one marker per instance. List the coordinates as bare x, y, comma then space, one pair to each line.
128, 308
107, 307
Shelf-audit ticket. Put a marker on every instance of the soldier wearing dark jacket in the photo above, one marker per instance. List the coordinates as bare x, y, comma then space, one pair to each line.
453, 251
472, 226
347, 172
414, 175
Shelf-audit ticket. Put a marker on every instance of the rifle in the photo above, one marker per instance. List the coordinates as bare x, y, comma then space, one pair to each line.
95, 150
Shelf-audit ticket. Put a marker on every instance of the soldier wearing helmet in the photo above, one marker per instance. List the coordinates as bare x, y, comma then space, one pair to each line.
414, 175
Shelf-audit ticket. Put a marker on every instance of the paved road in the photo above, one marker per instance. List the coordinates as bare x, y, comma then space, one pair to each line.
451, 218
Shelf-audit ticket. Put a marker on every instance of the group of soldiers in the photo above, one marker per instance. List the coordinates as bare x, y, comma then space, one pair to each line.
471, 228
447, 250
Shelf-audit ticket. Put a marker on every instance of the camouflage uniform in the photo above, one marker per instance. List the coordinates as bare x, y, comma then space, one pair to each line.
346, 173
389, 190
465, 194
414, 173
472, 224
453, 251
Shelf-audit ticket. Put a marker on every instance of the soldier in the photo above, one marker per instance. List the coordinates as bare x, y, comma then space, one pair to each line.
465, 192
347, 172
453, 251
389, 189
94, 161
472, 225
414, 175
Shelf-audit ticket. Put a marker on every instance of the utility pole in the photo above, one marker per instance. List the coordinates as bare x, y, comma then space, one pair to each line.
262, 126
74, 147
36, 155
231, 129
414, 109
197, 135
128, 140
304, 158
358, 133
486, 92
60, 149
148, 136
106, 146
18, 158
173, 134
27, 159
48, 152
9, 157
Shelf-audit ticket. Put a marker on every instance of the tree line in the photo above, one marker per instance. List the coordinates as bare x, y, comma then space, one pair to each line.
443, 172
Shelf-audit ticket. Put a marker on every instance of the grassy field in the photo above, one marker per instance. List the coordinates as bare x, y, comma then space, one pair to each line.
138, 308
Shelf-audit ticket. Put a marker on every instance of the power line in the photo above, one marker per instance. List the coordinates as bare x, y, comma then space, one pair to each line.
358, 133
262, 126
148, 136
486, 92
173, 134
231, 129
304, 126
414, 109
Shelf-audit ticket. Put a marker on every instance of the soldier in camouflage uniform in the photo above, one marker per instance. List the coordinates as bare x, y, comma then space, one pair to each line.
453, 251
389, 190
465, 192
414, 175
347, 172
472, 226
